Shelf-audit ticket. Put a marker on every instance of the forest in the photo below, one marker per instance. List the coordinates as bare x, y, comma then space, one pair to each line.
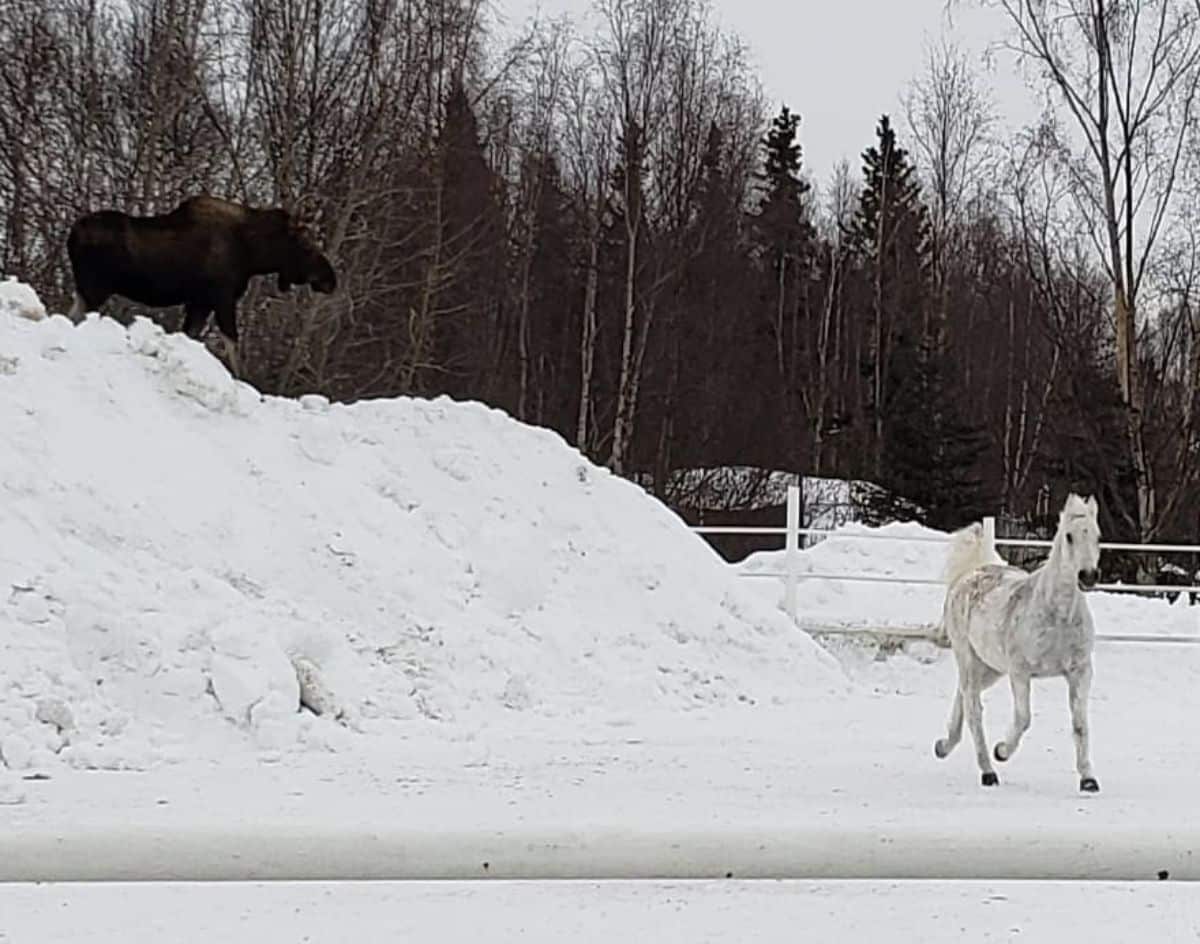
607, 228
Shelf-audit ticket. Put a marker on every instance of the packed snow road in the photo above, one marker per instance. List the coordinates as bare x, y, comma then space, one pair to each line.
840, 787
599, 913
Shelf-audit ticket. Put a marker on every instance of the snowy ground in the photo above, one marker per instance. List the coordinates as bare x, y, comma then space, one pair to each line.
550, 913
517, 659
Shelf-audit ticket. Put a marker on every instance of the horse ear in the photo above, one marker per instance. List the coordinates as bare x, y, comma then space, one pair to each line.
1091, 503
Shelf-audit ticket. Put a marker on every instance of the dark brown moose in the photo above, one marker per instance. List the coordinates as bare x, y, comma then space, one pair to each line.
200, 255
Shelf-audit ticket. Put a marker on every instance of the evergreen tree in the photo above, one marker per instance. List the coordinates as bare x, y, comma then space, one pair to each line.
713, 351
786, 239
891, 226
927, 456
932, 456
470, 256
783, 217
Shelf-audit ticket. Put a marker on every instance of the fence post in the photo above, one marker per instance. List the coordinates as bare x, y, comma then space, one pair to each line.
989, 533
791, 551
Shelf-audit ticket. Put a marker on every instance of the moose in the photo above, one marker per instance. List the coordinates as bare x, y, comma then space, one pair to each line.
201, 255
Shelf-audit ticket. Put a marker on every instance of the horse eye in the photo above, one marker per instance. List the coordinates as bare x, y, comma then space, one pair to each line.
1070, 538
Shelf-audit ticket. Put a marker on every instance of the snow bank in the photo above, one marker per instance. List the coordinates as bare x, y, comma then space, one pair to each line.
182, 561
911, 552
17, 298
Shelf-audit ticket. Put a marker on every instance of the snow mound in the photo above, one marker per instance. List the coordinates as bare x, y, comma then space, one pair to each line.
184, 562
17, 298
827, 597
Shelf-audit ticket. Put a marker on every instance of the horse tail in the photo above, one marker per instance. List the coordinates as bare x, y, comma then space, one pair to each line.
969, 551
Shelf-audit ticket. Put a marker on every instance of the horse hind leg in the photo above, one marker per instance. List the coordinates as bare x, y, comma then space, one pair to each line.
1021, 717
976, 680
943, 746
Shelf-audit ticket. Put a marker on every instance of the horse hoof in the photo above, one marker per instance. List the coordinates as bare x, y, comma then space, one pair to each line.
990, 779
939, 749
1089, 785
1000, 752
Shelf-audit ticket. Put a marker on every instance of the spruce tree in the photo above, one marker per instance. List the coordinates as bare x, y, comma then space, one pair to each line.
926, 456
783, 225
470, 257
785, 241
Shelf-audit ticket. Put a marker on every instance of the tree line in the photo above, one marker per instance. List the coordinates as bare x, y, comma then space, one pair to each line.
610, 231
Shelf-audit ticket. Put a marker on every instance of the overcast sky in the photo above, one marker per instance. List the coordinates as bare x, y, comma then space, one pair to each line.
843, 63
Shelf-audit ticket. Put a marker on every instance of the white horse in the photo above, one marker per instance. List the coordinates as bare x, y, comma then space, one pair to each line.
1003, 621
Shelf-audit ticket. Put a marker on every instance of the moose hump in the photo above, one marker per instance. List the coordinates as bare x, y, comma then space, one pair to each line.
201, 255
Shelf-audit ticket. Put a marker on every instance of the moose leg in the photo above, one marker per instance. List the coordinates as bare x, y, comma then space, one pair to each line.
1021, 716
87, 298
227, 321
1079, 686
227, 318
195, 317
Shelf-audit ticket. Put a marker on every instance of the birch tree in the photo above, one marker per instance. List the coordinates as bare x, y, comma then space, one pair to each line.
1125, 73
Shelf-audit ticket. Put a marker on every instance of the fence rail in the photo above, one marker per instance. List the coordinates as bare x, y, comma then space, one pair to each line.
792, 575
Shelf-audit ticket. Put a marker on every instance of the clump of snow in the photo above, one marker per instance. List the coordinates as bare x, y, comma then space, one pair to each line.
915, 556
185, 563
17, 298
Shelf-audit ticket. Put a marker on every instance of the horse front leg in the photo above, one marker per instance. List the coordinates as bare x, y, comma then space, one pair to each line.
1021, 716
1079, 686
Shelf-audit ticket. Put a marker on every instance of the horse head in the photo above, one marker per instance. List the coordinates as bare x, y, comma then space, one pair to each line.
1078, 539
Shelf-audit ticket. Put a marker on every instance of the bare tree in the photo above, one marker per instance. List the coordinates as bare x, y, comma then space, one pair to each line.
820, 393
588, 133
543, 90
951, 119
669, 75
1127, 74
633, 56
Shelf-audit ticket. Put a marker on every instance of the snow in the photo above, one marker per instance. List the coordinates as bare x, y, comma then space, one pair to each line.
18, 299
181, 554
503, 650
667, 913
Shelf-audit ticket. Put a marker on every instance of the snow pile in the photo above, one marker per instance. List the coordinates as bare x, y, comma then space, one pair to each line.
827, 598
17, 298
182, 561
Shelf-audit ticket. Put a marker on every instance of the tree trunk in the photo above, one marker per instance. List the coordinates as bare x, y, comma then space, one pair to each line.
587, 344
623, 423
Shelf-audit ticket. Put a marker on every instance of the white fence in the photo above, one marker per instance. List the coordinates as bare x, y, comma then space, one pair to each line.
792, 576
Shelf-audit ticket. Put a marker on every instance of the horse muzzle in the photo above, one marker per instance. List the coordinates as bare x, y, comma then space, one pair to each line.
1088, 579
